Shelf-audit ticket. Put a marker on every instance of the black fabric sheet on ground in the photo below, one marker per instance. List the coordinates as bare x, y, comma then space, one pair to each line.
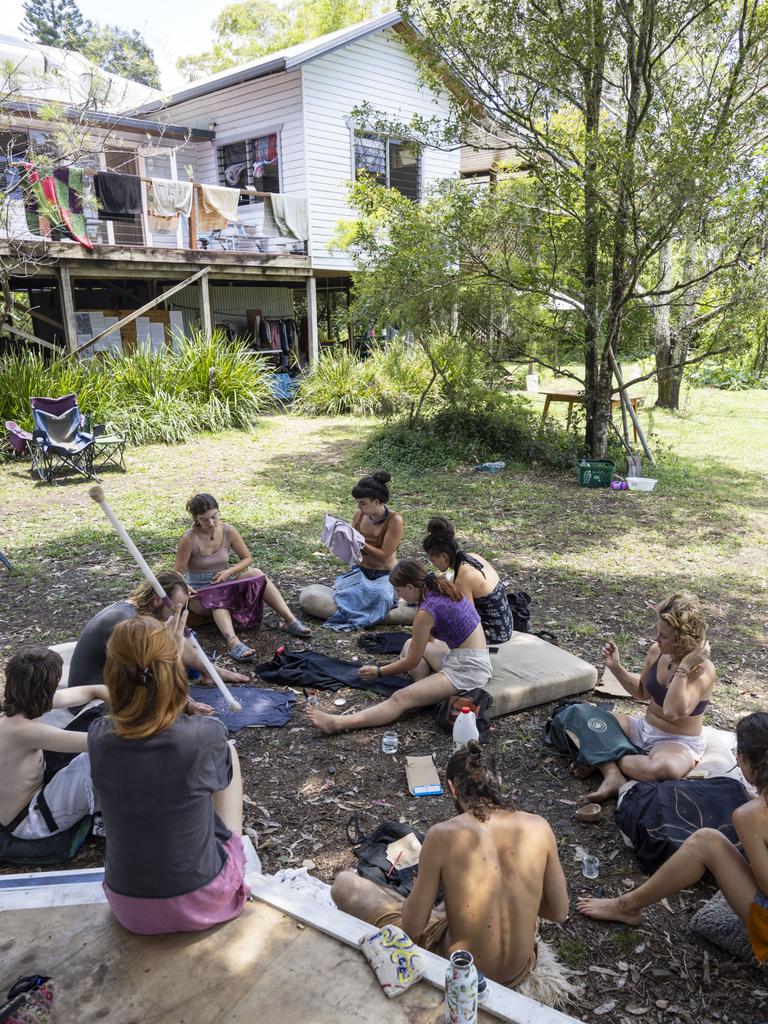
657, 817
372, 860
260, 708
588, 734
384, 643
309, 668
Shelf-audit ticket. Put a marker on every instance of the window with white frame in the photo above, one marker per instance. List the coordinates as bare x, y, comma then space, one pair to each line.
251, 163
392, 162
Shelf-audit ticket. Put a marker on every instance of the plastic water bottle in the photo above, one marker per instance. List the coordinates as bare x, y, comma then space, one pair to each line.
464, 729
461, 989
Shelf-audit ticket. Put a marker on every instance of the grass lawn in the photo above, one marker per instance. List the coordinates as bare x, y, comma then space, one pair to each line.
590, 560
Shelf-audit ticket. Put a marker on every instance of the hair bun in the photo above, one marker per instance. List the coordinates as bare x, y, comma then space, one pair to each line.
474, 748
381, 476
439, 525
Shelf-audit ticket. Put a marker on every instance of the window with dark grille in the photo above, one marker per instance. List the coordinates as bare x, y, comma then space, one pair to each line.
252, 163
392, 162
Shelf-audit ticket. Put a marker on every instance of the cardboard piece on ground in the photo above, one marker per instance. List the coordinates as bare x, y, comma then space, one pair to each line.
422, 776
528, 671
609, 686
404, 852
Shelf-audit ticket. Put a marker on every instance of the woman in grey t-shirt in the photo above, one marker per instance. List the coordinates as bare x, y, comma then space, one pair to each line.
170, 790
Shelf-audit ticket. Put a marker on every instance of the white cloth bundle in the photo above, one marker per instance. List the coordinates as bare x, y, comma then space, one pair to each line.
395, 960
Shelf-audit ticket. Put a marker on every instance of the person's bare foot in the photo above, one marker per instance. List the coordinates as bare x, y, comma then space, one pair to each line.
329, 724
612, 782
608, 910
582, 771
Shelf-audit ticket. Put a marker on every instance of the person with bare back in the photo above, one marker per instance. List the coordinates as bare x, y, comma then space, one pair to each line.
677, 681
743, 879
499, 869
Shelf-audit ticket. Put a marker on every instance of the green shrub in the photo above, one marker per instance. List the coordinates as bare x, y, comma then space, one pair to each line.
159, 397
339, 384
505, 428
726, 377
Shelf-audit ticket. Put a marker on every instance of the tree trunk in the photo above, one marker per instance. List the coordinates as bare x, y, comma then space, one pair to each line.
681, 334
593, 87
662, 332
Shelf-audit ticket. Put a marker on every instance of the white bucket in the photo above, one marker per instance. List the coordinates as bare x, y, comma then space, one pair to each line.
641, 483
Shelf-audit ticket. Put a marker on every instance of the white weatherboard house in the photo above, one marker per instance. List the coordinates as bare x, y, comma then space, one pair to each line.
280, 124
295, 106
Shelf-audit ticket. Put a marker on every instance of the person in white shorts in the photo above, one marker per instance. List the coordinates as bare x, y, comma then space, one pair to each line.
677, 681
33, 807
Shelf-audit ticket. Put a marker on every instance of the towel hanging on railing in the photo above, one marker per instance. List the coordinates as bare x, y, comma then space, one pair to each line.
287, 216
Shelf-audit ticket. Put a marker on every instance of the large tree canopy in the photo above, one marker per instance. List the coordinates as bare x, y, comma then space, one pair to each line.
247, 30
631, 121
53, 22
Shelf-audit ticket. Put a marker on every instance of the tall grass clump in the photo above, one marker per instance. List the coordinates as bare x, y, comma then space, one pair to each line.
152, 397
339, 384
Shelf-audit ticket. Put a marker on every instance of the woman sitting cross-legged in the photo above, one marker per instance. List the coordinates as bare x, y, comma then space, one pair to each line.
474, 576
743, 880
447, 652
203, 555
677, 681
169, 788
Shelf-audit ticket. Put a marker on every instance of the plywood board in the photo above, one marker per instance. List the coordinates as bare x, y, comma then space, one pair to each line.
261, 967
609, 686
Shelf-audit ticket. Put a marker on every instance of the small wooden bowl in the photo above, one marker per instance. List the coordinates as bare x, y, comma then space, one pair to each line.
589, 813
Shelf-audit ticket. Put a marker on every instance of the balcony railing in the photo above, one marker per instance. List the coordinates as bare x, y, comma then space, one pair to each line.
141, 230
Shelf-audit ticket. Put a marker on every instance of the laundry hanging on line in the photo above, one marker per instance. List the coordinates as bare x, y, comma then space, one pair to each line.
59, 198
119, 195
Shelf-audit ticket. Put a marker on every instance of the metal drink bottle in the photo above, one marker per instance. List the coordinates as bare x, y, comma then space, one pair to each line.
461, 989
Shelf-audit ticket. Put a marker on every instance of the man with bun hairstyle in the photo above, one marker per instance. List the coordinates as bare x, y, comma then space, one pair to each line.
90, 654
499, 870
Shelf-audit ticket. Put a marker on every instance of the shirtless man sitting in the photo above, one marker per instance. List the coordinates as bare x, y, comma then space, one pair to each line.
677, 682
31, 805
499, 869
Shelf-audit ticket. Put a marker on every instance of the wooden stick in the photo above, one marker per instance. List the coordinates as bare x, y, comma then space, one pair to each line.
97, 493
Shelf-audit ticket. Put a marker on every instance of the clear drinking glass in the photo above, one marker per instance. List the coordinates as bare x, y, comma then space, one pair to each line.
389, 743
590, 866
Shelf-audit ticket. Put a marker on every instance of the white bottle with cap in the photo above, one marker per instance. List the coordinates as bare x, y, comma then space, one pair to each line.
464, 729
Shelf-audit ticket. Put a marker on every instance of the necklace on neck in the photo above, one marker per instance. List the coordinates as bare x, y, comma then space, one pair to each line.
378, 522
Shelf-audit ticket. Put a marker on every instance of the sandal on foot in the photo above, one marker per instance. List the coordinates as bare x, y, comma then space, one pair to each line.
297, 628
241, 652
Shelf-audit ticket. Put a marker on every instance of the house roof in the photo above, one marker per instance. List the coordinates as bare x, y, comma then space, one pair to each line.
47, 73
274, 63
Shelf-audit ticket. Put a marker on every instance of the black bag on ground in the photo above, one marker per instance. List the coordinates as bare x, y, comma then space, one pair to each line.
520, 606
310, 668
587, 734
372, 860
657, 817
57, 849
478, 701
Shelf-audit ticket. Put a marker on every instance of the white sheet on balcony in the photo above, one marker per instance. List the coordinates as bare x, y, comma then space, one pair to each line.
217, 199
168, 198
286, 216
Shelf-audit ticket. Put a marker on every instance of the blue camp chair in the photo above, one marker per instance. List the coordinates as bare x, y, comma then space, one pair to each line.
60, 443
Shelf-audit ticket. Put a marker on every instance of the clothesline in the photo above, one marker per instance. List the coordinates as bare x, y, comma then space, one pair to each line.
91, 173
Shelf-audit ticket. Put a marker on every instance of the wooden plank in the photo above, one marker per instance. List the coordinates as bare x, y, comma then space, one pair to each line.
205, 309
139, 312
30, 337
68, 309
502, 1002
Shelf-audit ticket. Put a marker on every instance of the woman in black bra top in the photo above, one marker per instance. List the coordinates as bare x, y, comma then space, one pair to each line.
474, 577
677, 681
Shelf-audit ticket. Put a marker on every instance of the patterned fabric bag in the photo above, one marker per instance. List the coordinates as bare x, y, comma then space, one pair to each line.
395, 960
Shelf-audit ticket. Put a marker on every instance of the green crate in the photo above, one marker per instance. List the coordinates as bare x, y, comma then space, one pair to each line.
595, 472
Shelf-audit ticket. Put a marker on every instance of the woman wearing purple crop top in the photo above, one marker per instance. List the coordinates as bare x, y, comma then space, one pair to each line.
446, 653
677, 681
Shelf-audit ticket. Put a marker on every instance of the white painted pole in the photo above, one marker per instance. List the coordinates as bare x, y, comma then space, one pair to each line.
314, 340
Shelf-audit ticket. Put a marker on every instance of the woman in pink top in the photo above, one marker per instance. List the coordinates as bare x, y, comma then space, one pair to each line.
203, 557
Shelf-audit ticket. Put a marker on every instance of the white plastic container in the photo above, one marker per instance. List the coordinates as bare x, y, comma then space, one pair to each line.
464, 729
641, 483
